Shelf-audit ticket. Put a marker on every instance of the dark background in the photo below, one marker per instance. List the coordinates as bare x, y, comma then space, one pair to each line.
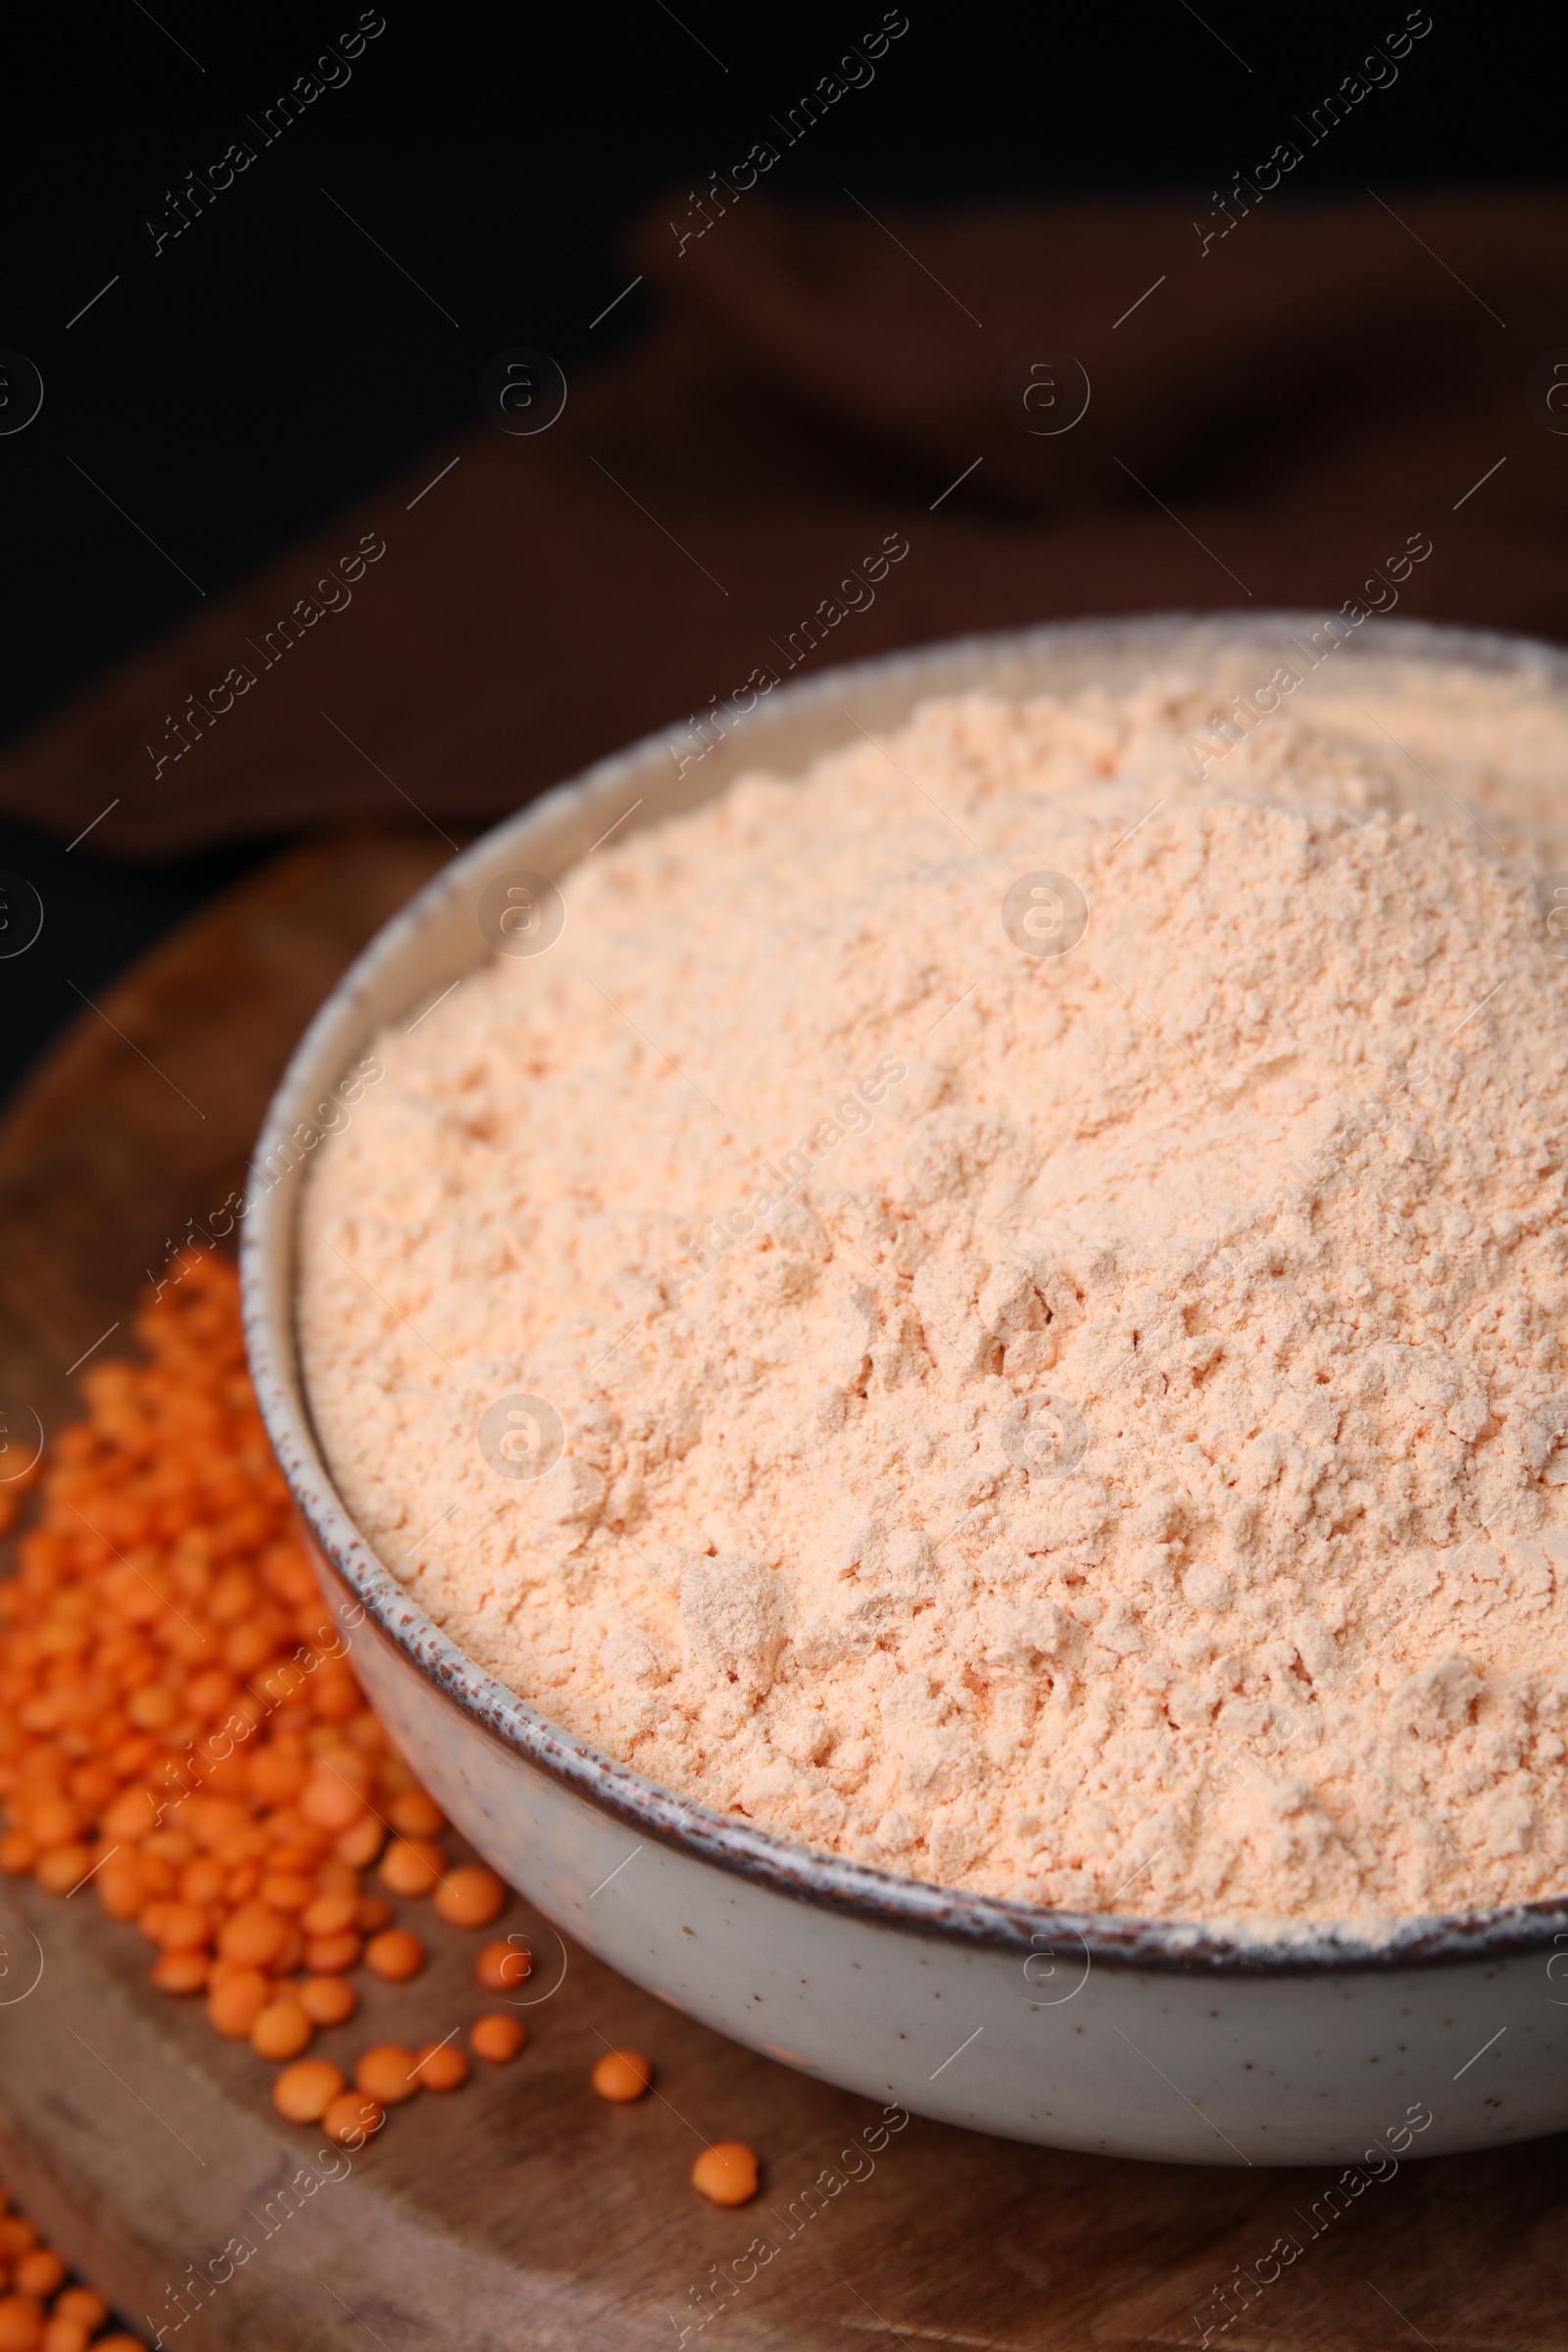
271, 363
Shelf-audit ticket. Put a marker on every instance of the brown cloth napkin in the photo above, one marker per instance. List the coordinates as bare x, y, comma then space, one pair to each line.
769, 482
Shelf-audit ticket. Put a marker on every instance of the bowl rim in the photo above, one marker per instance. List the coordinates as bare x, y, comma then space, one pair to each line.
364, 1587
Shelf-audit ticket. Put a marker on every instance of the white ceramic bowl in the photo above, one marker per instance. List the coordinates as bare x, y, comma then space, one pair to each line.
1135, 2038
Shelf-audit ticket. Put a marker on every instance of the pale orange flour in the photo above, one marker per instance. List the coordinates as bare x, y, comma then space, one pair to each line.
1083, 1426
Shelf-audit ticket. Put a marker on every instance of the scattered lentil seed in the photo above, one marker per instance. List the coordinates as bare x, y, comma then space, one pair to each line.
411, 1865
180, 1972
415, 1814
235, 2006
351, 2119
502, 1966
327, 2000
21, 2323
441, 2066
497, 2038
282, 2030
40, 2274
388, 2074
303, 2092
726, 2175
470, 1896
395, 1954
81, 2304
621, 2075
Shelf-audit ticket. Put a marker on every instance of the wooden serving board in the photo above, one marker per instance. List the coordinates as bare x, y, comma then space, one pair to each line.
523, 2212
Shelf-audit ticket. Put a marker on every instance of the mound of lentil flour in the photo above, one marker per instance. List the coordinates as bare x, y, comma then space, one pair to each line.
996, 1309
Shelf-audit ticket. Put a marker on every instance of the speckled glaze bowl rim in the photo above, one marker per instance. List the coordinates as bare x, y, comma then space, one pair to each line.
855, 1889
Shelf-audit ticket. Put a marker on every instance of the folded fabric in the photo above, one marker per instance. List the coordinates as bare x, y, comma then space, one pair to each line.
847, 432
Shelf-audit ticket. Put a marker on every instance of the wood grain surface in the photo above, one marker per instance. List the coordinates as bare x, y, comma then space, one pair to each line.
523, 2212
